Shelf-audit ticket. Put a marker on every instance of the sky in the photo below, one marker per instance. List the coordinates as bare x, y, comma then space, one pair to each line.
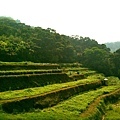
97, 19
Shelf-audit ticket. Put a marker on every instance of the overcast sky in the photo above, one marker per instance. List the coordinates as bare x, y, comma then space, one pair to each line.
97, 19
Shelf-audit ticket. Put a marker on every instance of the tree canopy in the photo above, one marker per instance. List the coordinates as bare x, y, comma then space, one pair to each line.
20, 42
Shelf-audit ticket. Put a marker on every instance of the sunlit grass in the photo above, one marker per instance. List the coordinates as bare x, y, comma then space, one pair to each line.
41, 90
20, 72
66, 110
113, 80
113, 112
80, 70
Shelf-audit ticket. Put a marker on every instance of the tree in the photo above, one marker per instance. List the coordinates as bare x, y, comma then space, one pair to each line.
116, 60
97, 59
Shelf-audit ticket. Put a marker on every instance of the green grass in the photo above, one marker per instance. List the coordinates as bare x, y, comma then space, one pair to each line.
66, 110
45, 89
76, 69
113, 80
72, 71
41, 90
18, 72
24, 63
113, 112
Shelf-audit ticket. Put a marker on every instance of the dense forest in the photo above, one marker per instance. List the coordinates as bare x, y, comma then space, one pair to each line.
20, 42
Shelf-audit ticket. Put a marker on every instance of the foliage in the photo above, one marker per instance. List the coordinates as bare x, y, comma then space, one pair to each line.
40, 90
113, 80
116, 60
97, 109
100, 60
20, 42
26, 66
13, 82
69, 109
113, 111
20, 72
46, 100
94, 58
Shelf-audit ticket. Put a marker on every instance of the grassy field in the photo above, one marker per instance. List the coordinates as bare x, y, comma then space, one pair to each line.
68, 109
22, 72
113, 112
40, 90
78, 70
6, 66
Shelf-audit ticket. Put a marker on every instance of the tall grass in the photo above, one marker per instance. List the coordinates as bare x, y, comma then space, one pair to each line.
45, 89
113, 80
21, 72
113, 112
66, 110
40, 90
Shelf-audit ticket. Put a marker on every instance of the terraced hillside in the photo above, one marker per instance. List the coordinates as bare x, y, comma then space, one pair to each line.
113, 112
70, 93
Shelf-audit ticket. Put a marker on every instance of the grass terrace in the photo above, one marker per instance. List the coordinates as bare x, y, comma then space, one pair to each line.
66, 110
26, 65
19, 72
71, 107
113, 112
40, 90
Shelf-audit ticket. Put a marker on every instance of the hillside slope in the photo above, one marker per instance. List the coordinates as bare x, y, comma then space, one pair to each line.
113, 46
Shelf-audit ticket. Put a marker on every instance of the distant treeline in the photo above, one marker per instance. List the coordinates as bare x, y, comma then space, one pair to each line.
113, 46
20, 42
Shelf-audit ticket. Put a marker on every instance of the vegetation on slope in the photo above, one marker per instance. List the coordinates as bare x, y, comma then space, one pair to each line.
113, 112
20, 42
113, 46
69, 109
48, 88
